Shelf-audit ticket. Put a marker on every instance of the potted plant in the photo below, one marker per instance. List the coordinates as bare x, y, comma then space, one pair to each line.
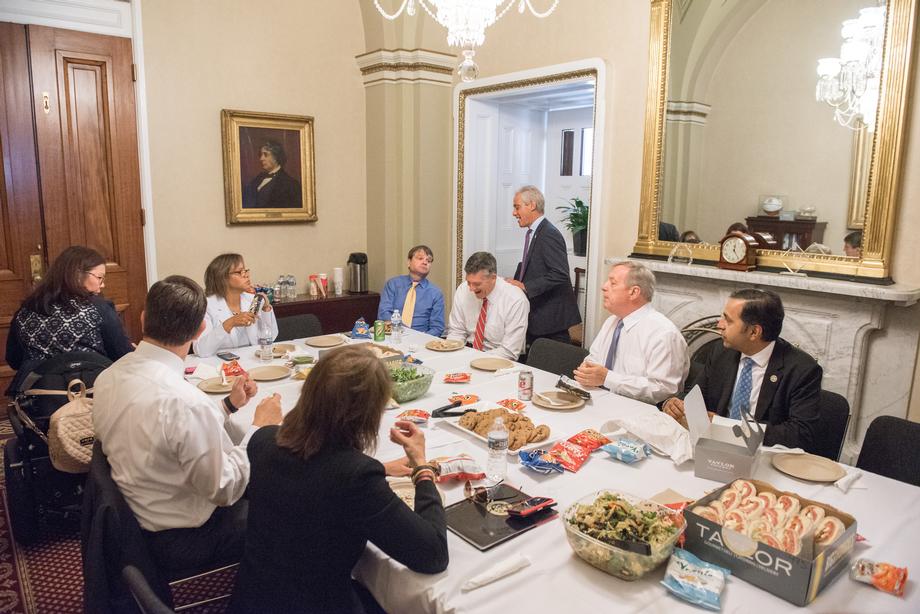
576, 220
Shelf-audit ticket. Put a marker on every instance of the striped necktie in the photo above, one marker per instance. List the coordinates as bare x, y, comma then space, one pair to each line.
409, 306
481, 325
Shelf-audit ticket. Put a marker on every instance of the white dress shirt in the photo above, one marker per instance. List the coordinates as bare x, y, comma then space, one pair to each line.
166, 441
651, 360
215, 338
506, 319
761, 360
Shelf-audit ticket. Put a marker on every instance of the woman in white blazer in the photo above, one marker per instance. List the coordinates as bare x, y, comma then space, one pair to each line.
228, 323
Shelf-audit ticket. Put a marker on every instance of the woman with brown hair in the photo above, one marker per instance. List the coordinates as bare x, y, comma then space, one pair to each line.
316, 498
229, 323
66, 313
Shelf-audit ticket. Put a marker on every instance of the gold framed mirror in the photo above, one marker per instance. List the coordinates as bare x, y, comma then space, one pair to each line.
724, 143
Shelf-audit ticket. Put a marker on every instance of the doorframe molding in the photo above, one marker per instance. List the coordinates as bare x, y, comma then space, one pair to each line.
111, 18
536, 77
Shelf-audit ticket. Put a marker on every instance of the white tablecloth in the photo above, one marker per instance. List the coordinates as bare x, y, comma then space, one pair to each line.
559, 581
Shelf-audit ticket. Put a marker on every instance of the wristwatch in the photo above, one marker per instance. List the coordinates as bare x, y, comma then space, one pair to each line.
229, 406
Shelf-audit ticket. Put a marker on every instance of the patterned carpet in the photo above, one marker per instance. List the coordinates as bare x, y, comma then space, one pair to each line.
47, 576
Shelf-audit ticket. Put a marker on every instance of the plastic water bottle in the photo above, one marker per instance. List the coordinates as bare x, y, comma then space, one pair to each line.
396, 327
498, 452
265, 339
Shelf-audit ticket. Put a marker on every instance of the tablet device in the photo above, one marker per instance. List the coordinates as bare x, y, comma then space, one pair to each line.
484, 529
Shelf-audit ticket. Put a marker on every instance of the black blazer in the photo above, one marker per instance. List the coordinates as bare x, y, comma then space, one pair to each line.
549, 286
788, 400
310, 520
282, 192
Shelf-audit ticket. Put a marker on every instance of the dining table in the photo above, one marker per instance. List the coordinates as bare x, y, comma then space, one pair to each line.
557, 579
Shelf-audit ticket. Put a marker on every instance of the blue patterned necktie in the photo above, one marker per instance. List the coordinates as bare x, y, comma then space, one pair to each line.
612, 352
741, 398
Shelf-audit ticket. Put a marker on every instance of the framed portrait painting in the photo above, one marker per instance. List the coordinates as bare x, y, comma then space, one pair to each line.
268, 167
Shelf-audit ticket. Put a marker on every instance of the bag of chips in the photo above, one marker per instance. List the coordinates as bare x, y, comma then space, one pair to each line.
695, 580
464, 399
628, 451
457, 378
540, 461
233, 368
459, 467
360, 330
570, 455
513, 404
589, 439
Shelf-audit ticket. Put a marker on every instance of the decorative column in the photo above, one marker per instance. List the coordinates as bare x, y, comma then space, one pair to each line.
408, 136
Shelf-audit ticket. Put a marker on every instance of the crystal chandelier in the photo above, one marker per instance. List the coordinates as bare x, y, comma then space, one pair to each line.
466, 22
850, 83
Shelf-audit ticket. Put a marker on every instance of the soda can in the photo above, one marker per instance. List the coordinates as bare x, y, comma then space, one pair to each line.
525, 385
379, 331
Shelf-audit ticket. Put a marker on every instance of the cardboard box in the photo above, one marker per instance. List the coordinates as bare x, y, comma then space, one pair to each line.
797, 579
721, 452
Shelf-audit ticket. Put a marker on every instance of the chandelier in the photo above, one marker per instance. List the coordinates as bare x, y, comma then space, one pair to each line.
466, 22
850, 83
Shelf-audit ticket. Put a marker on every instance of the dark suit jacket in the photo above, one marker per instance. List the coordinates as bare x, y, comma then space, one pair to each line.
789, 405
549, 286
282, 192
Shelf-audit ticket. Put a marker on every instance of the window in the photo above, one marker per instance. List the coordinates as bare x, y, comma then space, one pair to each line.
587, 150
568, 152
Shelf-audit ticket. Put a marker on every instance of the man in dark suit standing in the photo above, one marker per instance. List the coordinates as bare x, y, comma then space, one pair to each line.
759, 372
543, 273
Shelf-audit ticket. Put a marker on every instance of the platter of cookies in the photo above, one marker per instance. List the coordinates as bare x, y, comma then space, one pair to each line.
523, 434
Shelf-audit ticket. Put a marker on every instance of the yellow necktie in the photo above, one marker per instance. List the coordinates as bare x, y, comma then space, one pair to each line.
409, 306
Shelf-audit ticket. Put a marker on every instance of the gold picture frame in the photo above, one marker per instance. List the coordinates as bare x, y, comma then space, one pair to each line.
884, 168
268, 167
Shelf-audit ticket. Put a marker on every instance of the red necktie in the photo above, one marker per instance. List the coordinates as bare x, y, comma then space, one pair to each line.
481, 325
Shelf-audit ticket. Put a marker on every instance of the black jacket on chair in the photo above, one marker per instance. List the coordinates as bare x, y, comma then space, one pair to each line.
549, 285
789, 394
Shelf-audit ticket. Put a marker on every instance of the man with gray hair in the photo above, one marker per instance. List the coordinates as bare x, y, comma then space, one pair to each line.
639, 352
488, 312
543, 273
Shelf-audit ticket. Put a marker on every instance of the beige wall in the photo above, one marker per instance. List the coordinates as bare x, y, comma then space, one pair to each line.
273, 56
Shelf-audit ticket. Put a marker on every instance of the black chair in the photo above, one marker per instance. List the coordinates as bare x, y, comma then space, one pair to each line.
298, 327
702, 337
892, 448
111, 540
555, 357
148, 602
833, 418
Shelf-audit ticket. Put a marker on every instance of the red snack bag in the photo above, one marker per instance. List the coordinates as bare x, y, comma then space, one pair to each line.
569, 455
457, 378
465, 399
233, 368
416, 416
589, 439
460, 467
513, 404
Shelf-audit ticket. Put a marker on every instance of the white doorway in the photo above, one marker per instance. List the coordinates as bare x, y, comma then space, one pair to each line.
528, 132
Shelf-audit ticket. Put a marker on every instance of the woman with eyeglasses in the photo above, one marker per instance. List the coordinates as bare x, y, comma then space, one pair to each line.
229, 321
67, 313
316, 498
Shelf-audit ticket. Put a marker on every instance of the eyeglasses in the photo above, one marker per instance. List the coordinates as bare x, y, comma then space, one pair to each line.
241, 272
101, 278
484, 494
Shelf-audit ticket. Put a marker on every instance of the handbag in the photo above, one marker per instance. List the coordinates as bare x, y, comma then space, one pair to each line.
70, 432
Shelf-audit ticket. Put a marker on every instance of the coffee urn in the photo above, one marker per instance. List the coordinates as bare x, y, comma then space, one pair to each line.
357, 273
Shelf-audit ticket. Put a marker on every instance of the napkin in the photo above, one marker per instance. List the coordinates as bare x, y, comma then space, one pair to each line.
846, 482
205, 371
781, 449
498, 571
514, 369
655, 428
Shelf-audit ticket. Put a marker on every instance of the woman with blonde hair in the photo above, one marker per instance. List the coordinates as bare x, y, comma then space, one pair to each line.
229, 322
316, 498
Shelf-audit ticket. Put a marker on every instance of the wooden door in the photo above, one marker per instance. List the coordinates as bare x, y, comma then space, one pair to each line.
86, 135
21, 239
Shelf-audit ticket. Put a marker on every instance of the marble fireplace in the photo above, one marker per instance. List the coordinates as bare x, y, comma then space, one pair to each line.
864, 336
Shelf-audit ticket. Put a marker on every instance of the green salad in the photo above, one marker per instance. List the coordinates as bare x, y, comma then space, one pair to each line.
404, 374
612, 518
